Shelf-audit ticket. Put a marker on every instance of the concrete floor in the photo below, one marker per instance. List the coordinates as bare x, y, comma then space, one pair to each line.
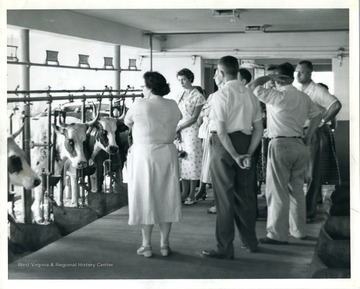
106, 249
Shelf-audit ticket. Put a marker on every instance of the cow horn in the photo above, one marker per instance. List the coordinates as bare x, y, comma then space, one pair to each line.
62, 123
15, 134
121, 118
92, 122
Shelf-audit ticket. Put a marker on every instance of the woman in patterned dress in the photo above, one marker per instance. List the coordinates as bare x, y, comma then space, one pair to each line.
190, 103
153, 168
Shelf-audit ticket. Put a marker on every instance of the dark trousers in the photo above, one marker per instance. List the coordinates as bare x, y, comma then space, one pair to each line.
234, 196
313, 173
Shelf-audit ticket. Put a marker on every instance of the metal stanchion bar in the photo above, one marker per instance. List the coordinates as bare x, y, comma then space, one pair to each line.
67, 97
69, 91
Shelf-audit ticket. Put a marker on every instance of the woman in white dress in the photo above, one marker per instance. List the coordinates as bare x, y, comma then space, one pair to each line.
153, 169
190, 103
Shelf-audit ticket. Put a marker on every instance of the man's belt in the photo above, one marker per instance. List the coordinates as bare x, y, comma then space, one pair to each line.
286, 137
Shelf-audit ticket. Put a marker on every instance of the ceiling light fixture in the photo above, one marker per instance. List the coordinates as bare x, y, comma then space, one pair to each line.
232, 13
256, 28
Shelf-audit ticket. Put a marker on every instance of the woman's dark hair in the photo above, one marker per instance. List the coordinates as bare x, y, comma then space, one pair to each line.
200, 89
187, 73
156, 82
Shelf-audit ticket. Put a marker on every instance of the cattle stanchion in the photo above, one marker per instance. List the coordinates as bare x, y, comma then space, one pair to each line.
49, 96
47, 193
82, 185
110, 165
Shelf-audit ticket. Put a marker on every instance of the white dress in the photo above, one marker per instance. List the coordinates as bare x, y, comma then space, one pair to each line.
204, 133
153, 172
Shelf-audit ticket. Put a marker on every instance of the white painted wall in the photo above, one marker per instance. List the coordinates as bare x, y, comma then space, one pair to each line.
169, 66
342, 78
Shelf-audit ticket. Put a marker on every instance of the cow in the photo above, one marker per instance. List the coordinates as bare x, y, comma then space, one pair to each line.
19, 171
70, 146
102, 142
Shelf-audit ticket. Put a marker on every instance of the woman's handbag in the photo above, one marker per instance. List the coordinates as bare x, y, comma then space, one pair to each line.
181, 152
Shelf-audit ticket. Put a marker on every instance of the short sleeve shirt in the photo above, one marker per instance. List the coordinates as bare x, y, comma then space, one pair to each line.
320, 96
287, 110
236, 106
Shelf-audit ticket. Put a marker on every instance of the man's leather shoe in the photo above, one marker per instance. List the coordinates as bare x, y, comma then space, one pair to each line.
250, 249
215, 254
270, 241
301, 238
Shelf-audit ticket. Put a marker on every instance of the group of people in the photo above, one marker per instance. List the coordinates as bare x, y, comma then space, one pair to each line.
231, 128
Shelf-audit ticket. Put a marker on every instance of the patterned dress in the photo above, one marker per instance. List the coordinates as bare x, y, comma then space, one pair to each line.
190, 166
330, 173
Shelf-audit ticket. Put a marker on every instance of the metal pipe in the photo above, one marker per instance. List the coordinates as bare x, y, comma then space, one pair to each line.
25, 82
242, 31
47, 193
151, 52
63, 97
118, 71
68, 91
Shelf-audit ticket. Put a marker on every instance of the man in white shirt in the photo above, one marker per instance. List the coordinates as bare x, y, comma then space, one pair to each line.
287, 110
237, 129
329, 106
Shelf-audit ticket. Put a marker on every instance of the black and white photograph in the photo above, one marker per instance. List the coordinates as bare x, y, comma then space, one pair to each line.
189, 144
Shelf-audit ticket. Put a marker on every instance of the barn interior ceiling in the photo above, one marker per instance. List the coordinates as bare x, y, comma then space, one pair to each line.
170, 21
263, 34
191, 22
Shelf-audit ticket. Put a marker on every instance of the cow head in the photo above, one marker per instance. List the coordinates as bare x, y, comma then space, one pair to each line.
71, 141
19, 170
105, 133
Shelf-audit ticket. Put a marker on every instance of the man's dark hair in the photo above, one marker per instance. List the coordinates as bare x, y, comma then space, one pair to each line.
271, 68
187, 73
286, 69
245, 74
230, 65
323, 85
308, 64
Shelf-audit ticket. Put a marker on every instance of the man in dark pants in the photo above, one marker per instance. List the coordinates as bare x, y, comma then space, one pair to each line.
236, 125
329, 106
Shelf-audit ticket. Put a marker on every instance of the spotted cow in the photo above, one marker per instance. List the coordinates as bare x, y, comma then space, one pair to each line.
70, 146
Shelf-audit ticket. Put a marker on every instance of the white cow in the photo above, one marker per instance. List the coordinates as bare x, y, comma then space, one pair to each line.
19, 171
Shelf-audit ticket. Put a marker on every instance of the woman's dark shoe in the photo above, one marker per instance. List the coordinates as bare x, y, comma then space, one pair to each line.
189, 201
200, 195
